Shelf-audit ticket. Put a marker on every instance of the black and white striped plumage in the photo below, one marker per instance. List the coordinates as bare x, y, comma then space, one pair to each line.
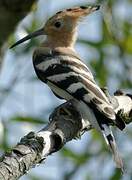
68, 77
57, 64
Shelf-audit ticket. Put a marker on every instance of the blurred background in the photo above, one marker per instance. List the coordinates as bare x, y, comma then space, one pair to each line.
105, 45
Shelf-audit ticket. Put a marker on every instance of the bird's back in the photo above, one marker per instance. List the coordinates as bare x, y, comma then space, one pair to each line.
68, 77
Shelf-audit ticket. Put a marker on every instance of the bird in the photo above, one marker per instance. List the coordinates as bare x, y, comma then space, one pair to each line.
57, 64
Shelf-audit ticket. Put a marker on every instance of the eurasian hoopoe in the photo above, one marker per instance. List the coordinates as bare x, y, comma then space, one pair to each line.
57, 64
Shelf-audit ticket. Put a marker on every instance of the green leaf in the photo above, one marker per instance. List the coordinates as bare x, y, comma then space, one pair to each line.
78, 159
28, 119
117, 175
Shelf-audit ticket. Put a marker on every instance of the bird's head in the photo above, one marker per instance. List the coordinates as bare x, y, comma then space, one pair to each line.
61, 27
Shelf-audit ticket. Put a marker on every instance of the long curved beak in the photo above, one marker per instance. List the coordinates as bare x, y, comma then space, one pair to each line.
32, 35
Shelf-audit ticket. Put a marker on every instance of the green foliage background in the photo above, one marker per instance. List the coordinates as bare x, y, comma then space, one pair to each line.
25, 102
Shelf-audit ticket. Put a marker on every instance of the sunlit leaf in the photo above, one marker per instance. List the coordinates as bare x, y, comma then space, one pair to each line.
127, 44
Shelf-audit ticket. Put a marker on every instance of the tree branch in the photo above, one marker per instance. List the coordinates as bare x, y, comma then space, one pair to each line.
65, 124
11, 13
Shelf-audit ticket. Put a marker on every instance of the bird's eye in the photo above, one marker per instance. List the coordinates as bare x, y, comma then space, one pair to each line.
58, 24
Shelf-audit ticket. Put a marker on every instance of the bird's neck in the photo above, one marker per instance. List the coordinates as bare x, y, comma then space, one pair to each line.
63, 40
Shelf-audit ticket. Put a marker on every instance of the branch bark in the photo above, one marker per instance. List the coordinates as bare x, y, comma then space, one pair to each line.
11, 13
65, 124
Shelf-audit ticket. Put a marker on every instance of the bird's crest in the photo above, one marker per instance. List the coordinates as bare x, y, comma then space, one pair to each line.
77, 11
62, 26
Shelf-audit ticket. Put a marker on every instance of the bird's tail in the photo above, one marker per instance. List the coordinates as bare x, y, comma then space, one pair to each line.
110, 140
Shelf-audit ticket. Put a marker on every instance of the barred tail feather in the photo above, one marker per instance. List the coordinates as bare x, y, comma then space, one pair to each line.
110, 140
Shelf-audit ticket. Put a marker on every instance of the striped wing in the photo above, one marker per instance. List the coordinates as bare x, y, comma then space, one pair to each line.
68, 77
